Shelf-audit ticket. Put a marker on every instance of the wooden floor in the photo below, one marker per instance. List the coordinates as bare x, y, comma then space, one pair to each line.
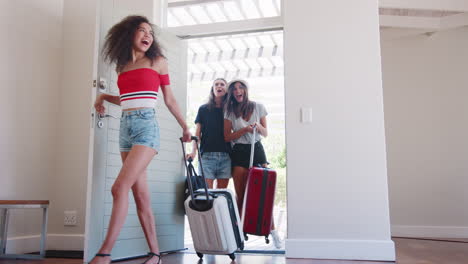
409, 251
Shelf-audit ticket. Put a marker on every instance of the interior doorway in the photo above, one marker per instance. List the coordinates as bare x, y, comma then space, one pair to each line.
258, 59
238, 39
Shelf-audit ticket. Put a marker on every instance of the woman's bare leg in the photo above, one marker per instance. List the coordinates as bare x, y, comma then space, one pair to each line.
239, 175
134, 164
209, 183
142, 196
222, 183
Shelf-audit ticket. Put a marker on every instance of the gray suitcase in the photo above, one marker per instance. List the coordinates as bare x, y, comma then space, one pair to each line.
213, 218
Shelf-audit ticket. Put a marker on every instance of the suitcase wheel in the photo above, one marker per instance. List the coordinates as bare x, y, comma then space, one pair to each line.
246, 237
232, 256
267, 240
241, 246
200, 255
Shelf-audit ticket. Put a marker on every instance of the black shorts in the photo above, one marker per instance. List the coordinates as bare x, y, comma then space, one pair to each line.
241, 155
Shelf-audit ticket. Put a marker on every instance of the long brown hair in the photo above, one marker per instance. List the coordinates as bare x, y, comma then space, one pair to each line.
211, 99
119, 42
245, 108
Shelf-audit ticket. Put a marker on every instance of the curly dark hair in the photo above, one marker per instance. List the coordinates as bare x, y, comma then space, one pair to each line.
119, 42
211, 100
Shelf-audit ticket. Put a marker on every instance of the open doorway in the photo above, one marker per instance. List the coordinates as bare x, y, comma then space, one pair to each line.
425, 117
264, 73
254, 55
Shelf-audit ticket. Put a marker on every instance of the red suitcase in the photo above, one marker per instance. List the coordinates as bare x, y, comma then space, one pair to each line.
259, 200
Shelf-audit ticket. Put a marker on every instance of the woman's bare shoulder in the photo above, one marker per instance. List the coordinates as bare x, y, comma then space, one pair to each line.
160, 65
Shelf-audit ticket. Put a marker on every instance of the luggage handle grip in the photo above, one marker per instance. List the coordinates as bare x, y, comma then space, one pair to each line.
191, 139
189, 172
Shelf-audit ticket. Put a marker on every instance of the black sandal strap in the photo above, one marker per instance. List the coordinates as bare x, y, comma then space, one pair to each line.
152, 254
102, 255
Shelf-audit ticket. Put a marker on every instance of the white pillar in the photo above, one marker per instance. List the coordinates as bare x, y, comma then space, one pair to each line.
160, 13
337, 175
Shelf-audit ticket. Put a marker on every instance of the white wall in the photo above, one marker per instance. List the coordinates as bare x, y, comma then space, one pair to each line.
426, 117
46, 105
75, 104
47, 116
337, 181
31, 41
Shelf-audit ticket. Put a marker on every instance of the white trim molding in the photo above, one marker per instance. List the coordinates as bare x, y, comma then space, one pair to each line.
65, 241
181, 3
446, 5
428, 24
396, 33
374, 250
454, 21
410, 22
28, 244
23, 244
228, 28
430, 231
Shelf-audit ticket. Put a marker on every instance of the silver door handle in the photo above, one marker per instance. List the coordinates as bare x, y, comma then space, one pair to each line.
102, 84
100, 116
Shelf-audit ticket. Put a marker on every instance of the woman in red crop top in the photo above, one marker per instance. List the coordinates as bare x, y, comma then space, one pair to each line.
142, 70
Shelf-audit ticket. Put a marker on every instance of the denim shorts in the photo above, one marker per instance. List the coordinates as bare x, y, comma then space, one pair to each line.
139, 127
216, 165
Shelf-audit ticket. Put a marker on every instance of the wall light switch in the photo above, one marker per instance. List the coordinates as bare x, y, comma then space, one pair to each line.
306, 115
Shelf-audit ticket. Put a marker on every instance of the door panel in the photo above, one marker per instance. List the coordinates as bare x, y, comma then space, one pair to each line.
165, 172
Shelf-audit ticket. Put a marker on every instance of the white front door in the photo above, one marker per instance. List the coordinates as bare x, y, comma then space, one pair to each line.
165, 172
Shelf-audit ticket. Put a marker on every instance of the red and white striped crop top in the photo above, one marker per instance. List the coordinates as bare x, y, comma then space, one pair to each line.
139, 87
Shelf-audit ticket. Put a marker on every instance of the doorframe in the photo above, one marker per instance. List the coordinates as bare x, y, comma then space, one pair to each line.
94, 91
231, 28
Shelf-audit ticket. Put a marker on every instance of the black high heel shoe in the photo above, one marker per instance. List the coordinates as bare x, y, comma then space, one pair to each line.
151, 255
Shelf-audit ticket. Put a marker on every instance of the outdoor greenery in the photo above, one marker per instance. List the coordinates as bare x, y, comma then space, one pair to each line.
275, 149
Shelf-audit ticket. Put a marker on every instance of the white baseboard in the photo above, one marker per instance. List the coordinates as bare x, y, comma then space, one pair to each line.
65, 242
377, 250
430, 231
22, 244
27, 244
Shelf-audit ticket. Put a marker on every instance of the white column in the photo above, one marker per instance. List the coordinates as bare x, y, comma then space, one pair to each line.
160, 13
337, 174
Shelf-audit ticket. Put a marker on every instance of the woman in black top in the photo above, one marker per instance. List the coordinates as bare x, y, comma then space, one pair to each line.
213, 149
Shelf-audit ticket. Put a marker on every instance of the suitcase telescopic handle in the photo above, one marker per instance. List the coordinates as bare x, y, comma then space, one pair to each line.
252, 146
194, 138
